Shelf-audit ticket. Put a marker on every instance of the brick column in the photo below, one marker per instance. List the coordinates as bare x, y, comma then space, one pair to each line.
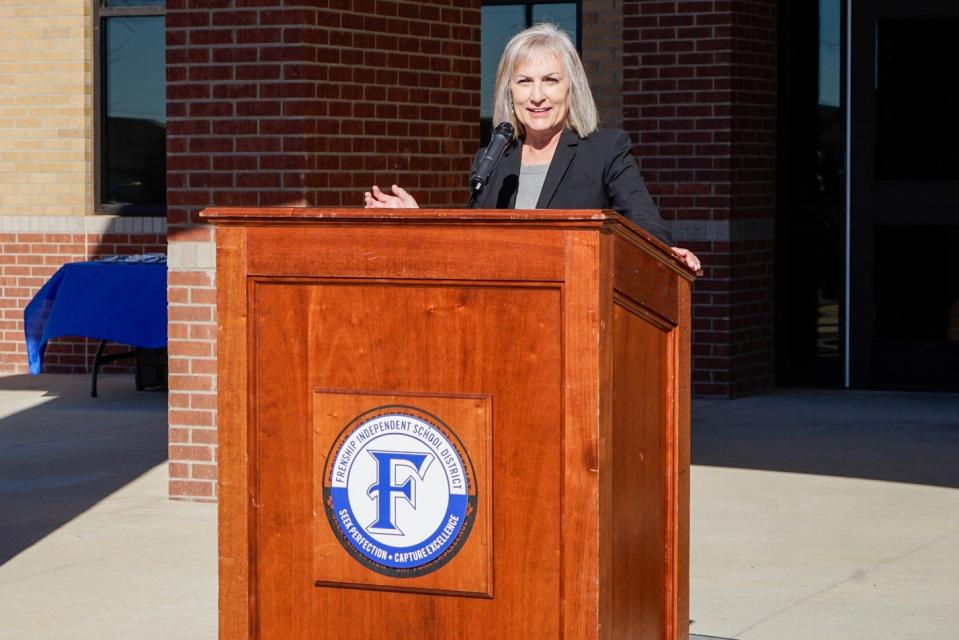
279, 102
602, 44
699, 96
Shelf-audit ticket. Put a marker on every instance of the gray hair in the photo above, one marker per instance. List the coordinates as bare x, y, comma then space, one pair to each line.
545, 38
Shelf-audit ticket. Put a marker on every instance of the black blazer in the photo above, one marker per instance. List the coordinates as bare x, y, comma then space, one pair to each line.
598, 172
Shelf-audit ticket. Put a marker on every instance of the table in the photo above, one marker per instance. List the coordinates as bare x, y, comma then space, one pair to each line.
113, 301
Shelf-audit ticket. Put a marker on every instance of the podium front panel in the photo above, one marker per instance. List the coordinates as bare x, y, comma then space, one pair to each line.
499, 343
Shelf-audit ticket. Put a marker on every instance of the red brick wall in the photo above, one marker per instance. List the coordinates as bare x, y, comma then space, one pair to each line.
292, 103
699, 101
31, 250
602, 53
753, 193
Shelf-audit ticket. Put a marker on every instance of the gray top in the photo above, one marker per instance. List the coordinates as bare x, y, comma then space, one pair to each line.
531, 179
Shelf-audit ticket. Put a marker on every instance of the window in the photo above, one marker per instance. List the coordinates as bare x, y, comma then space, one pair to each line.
917, 98
809, 217
501, 21
130, 98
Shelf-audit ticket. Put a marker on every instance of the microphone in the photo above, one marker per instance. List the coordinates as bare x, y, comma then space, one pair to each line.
502, 137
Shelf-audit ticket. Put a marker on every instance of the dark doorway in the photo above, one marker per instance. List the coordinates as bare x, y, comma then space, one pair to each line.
810, 195
904, 195
867, 228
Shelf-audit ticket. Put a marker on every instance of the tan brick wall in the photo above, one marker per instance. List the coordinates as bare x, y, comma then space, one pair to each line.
46, 107
602, 40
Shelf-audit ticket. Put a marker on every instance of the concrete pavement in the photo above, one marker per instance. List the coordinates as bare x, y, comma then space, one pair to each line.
90, 546
822, 515
815, 515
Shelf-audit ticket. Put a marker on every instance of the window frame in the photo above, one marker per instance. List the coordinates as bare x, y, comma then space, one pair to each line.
100, 14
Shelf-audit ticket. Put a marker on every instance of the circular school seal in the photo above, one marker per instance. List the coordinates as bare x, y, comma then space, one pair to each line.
399, 491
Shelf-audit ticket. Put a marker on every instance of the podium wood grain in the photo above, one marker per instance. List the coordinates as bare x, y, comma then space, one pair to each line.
575, 328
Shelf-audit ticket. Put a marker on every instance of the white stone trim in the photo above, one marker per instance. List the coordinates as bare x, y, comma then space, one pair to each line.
82, 224
191, 256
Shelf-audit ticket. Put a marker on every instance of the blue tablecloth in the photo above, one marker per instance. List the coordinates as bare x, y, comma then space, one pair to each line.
119, 302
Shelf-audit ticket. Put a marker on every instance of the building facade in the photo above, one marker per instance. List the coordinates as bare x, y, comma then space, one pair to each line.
121, 119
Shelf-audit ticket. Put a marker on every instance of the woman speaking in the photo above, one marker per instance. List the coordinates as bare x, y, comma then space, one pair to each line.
558, 159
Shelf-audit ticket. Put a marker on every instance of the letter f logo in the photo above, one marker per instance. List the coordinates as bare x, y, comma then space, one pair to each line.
387, 488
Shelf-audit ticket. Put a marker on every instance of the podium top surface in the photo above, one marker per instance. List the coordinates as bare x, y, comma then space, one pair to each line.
591, 217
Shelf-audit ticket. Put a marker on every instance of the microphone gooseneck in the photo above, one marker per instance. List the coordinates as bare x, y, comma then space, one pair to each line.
501, 138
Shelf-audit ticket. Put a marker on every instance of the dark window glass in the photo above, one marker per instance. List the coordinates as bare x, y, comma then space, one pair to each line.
917, 283
809, 196
134, 113
562, 14
916, 288
829, 59
917, 98
498, 25
501, 21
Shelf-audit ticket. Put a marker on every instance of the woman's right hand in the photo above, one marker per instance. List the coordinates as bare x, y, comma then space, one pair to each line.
378, 199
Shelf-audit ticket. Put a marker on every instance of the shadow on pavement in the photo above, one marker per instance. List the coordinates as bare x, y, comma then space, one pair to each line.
62, 451
897, 437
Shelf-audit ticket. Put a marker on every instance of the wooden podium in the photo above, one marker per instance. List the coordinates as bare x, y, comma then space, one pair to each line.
451, 424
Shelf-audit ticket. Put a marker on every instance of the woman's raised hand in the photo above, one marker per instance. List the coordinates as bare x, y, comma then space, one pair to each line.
400, 200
